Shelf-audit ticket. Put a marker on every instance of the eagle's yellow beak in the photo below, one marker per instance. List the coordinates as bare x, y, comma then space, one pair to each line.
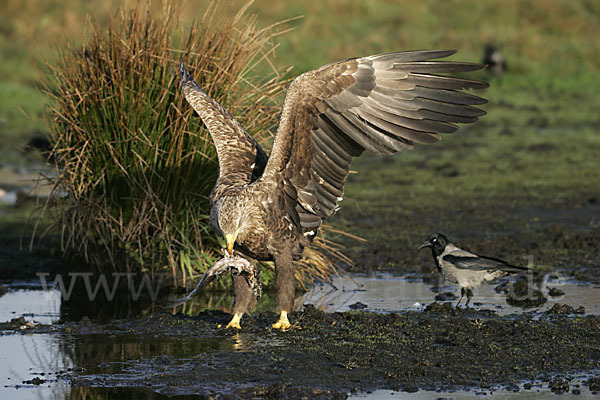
230, 242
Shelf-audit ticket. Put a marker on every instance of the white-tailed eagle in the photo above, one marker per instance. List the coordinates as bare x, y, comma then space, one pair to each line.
270, 208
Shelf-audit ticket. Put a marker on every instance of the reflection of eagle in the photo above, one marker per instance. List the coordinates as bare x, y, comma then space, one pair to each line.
270, 208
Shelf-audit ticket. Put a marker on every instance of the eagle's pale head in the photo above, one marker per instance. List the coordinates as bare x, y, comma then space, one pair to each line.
231, 218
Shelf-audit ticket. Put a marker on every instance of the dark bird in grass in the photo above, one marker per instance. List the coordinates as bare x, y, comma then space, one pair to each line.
270, 208
494, 59
466, 269
42, 144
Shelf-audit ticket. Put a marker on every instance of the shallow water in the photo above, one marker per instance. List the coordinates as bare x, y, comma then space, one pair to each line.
32, 304
29, 357
537, 391
40, 364
387, 293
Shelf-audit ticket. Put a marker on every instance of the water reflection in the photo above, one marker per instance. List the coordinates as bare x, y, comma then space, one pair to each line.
528, 391
41, 365
103, 354
32, 366
220, 301
39, 305
124, 394
388, 293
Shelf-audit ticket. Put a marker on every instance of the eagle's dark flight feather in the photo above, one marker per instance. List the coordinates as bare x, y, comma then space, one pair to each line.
383, 103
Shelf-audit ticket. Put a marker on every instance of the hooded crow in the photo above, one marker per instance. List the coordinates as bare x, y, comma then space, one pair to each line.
467, 269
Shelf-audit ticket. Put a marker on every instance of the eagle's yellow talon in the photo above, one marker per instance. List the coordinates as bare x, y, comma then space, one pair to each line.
283, 323
235, 322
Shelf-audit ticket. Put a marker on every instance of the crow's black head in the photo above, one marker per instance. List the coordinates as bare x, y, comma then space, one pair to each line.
437, 242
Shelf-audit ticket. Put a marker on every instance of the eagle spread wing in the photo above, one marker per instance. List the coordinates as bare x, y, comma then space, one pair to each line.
241, 159
383, 103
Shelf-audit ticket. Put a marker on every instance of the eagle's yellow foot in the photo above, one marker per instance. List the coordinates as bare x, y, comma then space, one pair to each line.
283, 323
235, 322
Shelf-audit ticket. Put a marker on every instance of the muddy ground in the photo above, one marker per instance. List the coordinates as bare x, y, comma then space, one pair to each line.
334, 354
561, 235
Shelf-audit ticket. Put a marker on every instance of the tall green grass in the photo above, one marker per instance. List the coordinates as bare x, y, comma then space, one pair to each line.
136, 164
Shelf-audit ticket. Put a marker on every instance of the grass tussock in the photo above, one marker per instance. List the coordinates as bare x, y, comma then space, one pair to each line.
136, 164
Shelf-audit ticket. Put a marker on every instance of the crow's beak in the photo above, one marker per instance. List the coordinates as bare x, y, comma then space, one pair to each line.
426, 244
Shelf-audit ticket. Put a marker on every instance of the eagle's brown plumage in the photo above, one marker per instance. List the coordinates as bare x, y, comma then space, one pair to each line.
272, 207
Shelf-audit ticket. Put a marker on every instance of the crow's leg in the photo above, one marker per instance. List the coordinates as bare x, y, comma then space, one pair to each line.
462, 295
469, 295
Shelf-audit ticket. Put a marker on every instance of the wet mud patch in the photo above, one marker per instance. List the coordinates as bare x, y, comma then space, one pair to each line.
334, 354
